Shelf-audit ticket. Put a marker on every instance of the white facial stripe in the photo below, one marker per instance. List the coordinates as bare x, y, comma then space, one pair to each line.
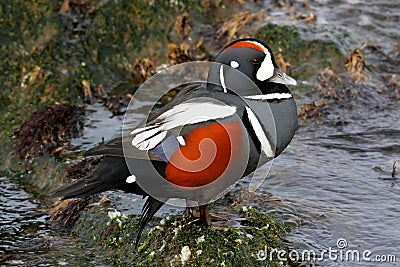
272, 96
234, 64
266, 69
222, 79
255, 123
130, 179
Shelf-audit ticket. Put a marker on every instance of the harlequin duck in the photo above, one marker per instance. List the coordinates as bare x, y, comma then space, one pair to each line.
242, 117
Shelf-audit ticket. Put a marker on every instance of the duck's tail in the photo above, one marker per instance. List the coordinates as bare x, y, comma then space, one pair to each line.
151, 206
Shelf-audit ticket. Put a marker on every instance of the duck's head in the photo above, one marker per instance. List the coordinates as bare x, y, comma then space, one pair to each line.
253, 58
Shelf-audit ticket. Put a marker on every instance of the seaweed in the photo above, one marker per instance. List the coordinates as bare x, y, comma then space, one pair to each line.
355, 64
311, 110
50, 130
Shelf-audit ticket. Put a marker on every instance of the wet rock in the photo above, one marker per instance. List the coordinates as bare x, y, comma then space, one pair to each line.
49, 130
163, 244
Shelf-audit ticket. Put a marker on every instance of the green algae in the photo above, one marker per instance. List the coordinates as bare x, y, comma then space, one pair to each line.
162, 245
307, 57
48, 48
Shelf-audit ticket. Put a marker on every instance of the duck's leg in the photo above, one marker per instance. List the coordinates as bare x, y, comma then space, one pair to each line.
205, 219
191, 210
188, 213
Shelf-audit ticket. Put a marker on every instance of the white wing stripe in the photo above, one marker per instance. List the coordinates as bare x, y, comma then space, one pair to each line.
150, 143
191, 113
265, 145
148, 137
138, 130
144, 136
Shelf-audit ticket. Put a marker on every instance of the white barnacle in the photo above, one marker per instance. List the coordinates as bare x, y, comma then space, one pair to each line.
185, 254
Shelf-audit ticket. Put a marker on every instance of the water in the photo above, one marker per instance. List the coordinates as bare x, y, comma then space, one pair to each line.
326, 179
25, 237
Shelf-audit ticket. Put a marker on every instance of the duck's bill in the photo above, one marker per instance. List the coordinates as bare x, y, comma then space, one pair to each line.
280, 77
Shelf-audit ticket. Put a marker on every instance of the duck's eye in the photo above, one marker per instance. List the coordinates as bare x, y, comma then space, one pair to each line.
280, 75
234, 64
256, 61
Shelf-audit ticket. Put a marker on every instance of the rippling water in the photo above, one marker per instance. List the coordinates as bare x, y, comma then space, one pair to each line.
327, 179
13, 198
25, 237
